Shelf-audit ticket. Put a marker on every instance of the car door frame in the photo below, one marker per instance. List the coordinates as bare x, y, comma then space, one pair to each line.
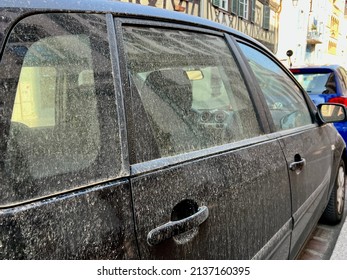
298, 239
273, 248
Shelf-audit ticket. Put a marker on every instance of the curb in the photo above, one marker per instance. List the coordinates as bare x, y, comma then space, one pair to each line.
340, 249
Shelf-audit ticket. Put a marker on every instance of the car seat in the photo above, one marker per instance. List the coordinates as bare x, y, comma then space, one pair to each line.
330, 85
167, 97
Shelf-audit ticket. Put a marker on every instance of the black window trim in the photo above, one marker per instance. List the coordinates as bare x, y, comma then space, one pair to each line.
251, 85
119, 96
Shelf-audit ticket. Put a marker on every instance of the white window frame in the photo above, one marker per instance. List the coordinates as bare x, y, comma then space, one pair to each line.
222, 4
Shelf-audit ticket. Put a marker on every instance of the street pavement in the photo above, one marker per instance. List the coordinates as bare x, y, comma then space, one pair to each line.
340, 249
327, 242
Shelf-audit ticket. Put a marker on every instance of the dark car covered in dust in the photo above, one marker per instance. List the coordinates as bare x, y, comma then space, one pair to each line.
131, 132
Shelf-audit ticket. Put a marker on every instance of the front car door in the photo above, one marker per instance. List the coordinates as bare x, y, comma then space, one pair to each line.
306, 146
203, 172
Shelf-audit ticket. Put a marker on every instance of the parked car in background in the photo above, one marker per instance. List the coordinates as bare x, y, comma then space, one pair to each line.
325, 83
131, 132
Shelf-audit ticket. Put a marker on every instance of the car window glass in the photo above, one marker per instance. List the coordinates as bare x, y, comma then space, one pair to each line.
52, 71
285, 100
317, 82
191, 89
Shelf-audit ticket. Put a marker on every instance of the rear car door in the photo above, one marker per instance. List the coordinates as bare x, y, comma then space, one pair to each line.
203, 172
306, 145
64, 192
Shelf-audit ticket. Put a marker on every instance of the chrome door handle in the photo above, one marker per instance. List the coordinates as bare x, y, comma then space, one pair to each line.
172, 228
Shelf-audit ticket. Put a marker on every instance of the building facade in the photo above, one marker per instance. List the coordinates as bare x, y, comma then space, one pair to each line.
315, 30
256, 18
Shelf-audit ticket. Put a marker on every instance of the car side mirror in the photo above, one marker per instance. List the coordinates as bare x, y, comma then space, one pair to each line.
332, 112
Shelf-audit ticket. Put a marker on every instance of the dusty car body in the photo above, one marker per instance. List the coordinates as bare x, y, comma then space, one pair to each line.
130, 132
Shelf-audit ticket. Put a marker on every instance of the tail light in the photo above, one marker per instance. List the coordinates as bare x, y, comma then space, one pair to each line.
340, 100
295, 71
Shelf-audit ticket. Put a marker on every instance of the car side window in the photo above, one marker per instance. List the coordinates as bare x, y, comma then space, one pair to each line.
192, 92
284, 99
54, 76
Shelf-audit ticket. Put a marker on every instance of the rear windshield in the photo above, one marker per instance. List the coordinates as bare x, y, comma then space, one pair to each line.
317, 83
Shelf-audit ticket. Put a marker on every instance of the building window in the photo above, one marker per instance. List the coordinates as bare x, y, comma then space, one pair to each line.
332, 47
243, 9
222, 4
334, 27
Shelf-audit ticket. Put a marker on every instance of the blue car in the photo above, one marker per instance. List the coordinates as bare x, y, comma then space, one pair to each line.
326, 83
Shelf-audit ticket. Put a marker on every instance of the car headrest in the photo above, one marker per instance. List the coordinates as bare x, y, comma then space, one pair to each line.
173, 86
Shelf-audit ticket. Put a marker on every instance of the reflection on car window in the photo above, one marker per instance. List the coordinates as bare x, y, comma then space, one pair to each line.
317, 83
285, 100
332, 112
189, 85
52, 133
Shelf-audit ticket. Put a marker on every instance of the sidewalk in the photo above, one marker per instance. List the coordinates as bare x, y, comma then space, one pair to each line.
340, 250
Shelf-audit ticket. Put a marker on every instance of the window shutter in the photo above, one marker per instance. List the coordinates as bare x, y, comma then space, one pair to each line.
253, 11
266, 17
234, 7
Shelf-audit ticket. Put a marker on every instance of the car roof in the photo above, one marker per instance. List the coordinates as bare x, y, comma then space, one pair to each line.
318, 67
26, 7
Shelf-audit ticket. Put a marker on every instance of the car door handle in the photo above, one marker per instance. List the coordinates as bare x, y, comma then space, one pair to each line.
297, 165
172, 228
